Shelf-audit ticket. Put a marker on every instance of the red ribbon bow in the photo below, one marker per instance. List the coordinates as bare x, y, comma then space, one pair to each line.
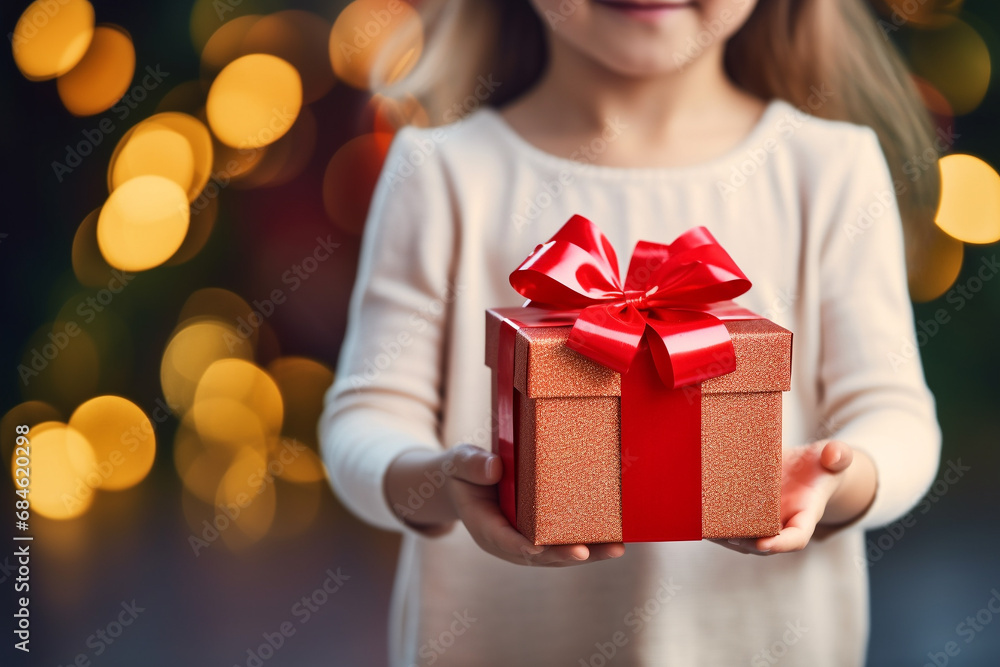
673, 297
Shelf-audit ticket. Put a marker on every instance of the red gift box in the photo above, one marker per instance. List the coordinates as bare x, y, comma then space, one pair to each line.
644, 412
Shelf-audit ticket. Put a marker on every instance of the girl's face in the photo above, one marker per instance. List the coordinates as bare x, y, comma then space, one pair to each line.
642, 38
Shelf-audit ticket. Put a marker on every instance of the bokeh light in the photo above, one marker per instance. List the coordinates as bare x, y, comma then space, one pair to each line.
295, 461
206, 15
921, 13
28, 413
122, 438
350, 179
174, 145
234, 164
143, 222
89, 265
935, 265
151, 149
60, 365
199, 466
224, 422
241, 381
286, 158
96, 314
198, 138
226, 44
187, 97
61, 463
969, 209
299, 38
191, 350
303, 384
102, 77
956, 61
254, 101
51, 38
248, 494
202, 217
375, 42
222, 305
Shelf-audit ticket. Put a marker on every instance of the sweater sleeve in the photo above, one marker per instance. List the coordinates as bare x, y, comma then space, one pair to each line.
386, 397
872, 388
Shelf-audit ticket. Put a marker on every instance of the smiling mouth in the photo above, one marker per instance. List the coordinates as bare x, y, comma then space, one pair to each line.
645, 9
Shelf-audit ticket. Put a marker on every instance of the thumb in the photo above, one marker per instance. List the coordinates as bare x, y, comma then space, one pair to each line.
836, 456
474, 465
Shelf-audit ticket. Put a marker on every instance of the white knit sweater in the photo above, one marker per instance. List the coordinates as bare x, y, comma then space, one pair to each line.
805, 207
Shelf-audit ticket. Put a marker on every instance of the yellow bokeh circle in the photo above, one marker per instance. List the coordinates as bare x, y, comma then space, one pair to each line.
102, 77
61, 459
195, 347
969, 209
375, 42
151, 149
143, 223
956, 61
122, 437
254, 101
51, 37
170, 144
246, 383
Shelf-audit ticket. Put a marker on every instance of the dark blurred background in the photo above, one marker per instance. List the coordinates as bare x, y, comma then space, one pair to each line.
140, 548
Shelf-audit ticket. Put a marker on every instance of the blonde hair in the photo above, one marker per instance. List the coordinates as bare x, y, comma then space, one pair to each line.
786, 50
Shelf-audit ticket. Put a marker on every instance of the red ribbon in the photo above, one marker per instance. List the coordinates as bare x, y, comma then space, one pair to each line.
668, 299
661, 330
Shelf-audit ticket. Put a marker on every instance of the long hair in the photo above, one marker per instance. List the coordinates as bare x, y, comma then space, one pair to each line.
786, 50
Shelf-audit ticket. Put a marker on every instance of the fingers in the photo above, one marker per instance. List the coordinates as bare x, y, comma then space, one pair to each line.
475, 465
793, 537
836, 456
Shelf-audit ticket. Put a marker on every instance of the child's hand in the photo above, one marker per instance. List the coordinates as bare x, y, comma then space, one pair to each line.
470, 494
822, 484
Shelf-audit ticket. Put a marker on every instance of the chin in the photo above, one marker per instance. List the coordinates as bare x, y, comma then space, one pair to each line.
644, 63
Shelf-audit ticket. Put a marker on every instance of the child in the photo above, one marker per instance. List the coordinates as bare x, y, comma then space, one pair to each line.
648, 118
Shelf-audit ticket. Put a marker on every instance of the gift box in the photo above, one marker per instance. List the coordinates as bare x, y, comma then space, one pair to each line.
648, 411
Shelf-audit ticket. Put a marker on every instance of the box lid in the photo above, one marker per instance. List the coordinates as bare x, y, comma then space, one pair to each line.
544, 367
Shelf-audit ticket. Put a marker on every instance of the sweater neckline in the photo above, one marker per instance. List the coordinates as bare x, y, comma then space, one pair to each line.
559, 162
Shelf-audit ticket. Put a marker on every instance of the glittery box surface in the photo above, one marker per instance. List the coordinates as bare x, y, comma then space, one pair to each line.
568, 437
